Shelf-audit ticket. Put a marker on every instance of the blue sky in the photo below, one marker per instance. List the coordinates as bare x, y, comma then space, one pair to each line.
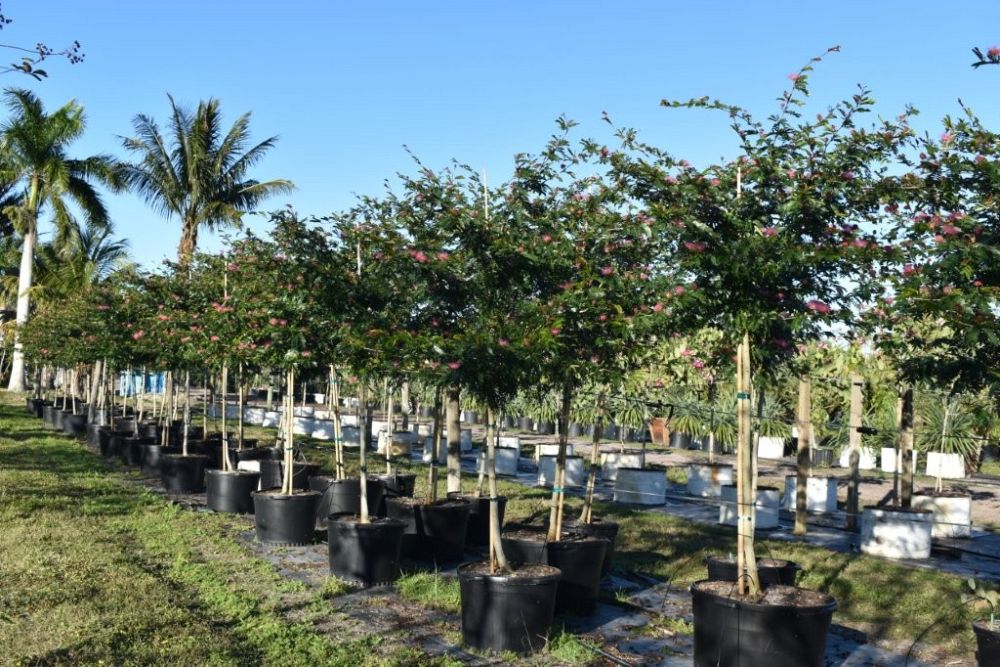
347, 84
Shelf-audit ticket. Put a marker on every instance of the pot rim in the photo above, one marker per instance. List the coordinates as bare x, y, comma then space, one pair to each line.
829, 606
554, 574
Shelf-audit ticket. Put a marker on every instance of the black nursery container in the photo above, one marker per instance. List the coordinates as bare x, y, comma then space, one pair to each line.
502, 612
271, 472
478, 532
288, 520
231, 491
183, 474
733, 633
365, 553
343, 496
769, 571
987, 644
606, 530
435, 531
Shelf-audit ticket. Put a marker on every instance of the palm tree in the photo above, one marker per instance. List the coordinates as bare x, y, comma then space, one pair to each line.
197, 173
33, 147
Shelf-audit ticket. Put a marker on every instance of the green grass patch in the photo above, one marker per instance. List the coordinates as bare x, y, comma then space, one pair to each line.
431, 590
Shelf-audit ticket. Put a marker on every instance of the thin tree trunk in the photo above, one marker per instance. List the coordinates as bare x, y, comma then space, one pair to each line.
854, 445
906, 447
239, 410
498, 561
225, 431
745, 488
187, 410
95, 387
587, 515
363, 454
338, 431
802, 455
454, 461
389, 428
558, 497
435, 448
286, 483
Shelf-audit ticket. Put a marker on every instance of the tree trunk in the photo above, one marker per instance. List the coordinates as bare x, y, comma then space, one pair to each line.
225, 435
95, 387
454, 441
854, 444
558, 496
187, 410
906, 446
745, 487
498, 561
363, 453
24, 280
802, 459
189, 240
587, 515
435, 448
289, 461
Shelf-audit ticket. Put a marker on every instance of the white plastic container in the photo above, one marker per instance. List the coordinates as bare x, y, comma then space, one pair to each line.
612, 462
465, 440
442, 451
575, 473
319, 398
866, 459
890, 456
896, 533
349, 420
952, 514
271, 419
302, 425
423, 429
947, 466
821, 494
551, 449
505, 460
706, 481
322, 430
254, 416
765, 509
640, 487
513, 441
303, 411
770, 447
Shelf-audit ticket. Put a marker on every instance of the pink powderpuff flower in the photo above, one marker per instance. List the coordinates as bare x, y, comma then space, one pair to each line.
163, 318
686, 352
607, 270
442, 256
503, 342
602, 317
454, 365
946, 137
698, 363
282, 322
695, 246
555, 331
138, 334
307, 354
994, 52
847, 175
273, 321
794, 76
909, 270
377, 255
714, 182
977, 283
679, 290
818, 306
214, 339
791, 173
950, 230
684, 163
546, 238
770, 231
658, 307
671, 180
939, 238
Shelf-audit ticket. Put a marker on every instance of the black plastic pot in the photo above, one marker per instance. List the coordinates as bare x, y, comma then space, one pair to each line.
231, 491
425, 411
123, 424
210, 450
679, 440
343, 496
259, 454
579, 557
149, 430
606, 530
283, 519
271, 473
183, 474
58, 419
153, 458
434, 532
732, 632
545, 428
478, 532
48, 412
509, 421
366, 553
134, 450
502, 612
987, 644
94, 434
769, 571
526, 424
821, 457
399, 485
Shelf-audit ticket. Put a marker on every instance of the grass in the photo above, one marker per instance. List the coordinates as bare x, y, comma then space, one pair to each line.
94, 570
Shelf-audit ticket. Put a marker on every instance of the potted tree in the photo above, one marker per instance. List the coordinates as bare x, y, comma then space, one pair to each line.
759, 253
987, 630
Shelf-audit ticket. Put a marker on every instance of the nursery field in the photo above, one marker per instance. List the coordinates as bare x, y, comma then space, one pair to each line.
98, 569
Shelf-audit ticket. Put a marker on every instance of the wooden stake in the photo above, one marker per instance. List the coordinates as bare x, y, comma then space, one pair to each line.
746, 568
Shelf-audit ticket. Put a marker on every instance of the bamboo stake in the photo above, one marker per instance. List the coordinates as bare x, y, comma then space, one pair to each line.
187, 410
559, 483
363, 451
497, 559
435, 447
587, 515
746, 560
